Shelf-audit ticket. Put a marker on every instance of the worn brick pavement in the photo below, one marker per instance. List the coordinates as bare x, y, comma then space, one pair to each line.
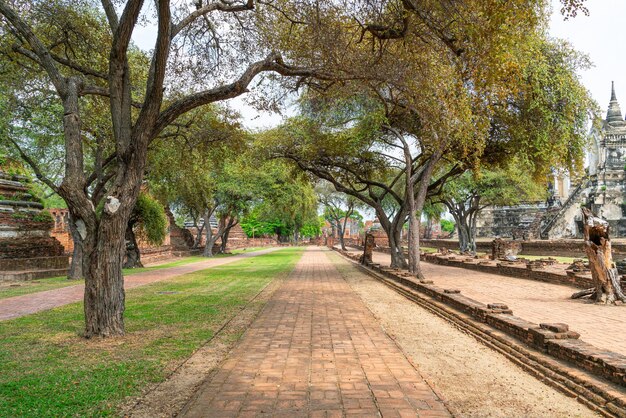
35, 302
535, 301
316, 351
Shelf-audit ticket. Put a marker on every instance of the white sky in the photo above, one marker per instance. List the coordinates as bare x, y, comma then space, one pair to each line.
601, 35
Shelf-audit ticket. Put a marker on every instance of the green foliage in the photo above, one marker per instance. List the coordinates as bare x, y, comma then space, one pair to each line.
312, 229
43, 216
151, 219
255, 227
447, 225
499, 187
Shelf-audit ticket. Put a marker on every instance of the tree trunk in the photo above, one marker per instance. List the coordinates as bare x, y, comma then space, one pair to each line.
133, 255
464, 237
472, 231
368, 247
341, 232
608, 288
76, 267
462, 228
199, 230
231, 223
104, 283
211, 238
343, 227
428, 230
398, 260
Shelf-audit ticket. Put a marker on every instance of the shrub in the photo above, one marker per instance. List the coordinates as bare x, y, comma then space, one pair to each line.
151, 219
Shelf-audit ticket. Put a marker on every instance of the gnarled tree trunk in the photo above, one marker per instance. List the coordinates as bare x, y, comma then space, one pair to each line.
76, 267
368, 247
212, 238
133, 255
104, 284
231, 223
607, 289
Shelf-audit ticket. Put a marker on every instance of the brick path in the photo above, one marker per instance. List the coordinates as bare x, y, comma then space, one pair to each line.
317, 351
35, 302
602, 326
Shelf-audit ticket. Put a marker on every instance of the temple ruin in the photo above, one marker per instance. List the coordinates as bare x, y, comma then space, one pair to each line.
601, 189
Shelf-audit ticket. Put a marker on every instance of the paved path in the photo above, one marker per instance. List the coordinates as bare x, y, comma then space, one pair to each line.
35, 302
602, 326
316, 350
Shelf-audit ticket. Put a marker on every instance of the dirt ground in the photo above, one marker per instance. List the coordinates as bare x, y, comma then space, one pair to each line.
474, 380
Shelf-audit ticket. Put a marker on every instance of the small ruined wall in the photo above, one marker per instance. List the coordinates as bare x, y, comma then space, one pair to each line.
564, 248
520, 271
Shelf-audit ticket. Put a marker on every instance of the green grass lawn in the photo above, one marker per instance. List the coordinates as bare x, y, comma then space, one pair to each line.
39, 285
49, 370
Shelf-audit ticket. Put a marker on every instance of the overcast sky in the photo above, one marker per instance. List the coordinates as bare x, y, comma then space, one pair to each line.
601, 35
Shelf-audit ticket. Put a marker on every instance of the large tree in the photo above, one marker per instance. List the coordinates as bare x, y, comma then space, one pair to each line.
338, 210
439, 72
83, 48
466, 195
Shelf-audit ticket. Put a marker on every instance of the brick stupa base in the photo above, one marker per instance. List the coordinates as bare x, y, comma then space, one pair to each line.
27, 251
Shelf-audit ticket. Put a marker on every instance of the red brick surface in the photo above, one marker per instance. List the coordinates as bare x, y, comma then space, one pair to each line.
316, 351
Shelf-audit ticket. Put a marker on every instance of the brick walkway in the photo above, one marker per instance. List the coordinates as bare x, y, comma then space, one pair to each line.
317, 351
35, 302
602, 326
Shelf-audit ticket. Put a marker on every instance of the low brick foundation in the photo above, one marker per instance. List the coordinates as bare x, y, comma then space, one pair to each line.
517, 270
554, 339
563, 248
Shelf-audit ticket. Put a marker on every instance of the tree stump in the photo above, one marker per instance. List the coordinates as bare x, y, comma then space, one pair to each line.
607, 288
368, 248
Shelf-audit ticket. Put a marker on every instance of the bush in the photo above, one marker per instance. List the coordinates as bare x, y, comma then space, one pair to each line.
151, 219
447, 226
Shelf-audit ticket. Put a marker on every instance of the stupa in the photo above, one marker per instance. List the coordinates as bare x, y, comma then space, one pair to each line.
27, 251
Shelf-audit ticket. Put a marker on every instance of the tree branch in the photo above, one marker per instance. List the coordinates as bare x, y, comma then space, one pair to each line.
202, 11
45, 60
272, 63
34, 166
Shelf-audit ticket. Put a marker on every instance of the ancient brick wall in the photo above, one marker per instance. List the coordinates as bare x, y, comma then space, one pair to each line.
61, 231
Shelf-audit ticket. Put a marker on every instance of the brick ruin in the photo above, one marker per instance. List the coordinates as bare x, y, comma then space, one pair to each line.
178, 241
27, 249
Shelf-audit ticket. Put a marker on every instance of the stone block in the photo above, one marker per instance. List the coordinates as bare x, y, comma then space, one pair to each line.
555, 327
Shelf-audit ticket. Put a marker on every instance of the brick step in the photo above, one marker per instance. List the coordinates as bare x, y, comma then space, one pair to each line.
31, 274
34, 263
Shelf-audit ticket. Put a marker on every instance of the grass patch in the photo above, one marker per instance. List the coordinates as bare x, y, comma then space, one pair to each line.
40, 285
49, 370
